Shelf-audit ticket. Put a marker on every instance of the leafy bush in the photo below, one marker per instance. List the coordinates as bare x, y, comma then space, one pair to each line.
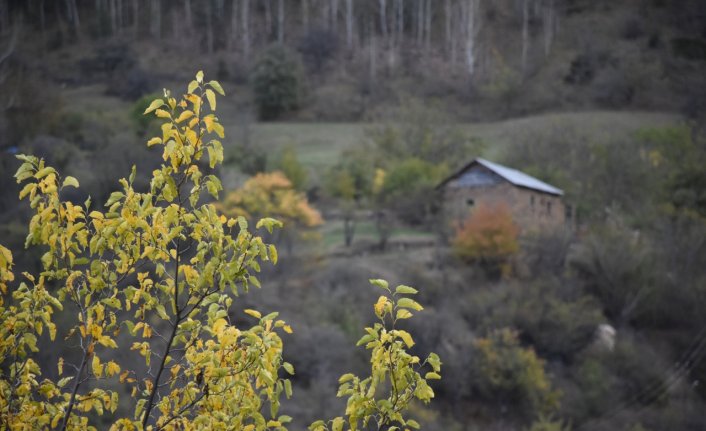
292, 168
504, 370
489, 238
556, 320
159, 272
617, 267
277, 83
408, 189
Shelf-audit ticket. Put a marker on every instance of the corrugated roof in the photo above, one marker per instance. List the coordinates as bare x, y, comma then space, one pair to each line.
513, 176
520, 179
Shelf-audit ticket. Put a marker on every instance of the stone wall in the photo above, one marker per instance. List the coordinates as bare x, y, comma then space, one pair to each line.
531, 210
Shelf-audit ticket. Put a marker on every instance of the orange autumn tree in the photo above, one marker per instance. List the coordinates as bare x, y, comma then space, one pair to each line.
488, 237
272, 194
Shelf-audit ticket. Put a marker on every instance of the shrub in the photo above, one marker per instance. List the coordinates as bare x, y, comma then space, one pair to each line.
489, 238
277, 83
504, 370
408, 189
292, 168
617, 267
558, 322
159, 272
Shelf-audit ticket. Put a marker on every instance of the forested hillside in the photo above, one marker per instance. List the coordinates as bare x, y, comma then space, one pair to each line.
341, 119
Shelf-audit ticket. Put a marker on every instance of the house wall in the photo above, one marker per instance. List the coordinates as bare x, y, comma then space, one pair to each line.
530, 209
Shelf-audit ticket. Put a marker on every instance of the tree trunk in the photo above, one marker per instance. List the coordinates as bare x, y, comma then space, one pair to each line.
472, 28
400, 22
233, 37
383, 17
548, 25
420, 22
268, 19
156, 19
74, 20
245, 24
136, 19
121, 13
280, 21
188, 16
349, 227
305, 15
334, 16
174, 18
427, 27
209, 26
447, 25
4, 15
42, 23
373, 56
525, 35
349, 24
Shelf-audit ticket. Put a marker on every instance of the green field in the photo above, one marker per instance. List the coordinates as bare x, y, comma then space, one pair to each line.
319, 145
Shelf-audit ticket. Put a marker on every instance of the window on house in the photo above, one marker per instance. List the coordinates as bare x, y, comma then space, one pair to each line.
549, 208
470, 202
532, 203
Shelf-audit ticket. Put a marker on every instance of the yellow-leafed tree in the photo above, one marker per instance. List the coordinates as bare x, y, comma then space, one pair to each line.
154, 275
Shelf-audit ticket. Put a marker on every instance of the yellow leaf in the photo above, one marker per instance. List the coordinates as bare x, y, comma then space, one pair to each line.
219, 326
406, 337
184, 116
112, 369
154, 141
254, 313
380, 306
199, 76
161, 113
69, 181
154, 105
211, 96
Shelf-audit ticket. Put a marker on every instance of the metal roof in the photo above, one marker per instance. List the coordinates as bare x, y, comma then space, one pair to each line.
513, 176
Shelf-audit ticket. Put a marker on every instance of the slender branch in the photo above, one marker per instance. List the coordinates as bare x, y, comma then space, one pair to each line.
74, 391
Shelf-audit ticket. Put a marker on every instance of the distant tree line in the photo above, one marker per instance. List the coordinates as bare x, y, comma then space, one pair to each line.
457, 32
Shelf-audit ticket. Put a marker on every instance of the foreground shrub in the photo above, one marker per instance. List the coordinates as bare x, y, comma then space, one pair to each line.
154, 277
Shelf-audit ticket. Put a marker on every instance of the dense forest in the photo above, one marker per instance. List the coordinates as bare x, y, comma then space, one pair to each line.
342, 118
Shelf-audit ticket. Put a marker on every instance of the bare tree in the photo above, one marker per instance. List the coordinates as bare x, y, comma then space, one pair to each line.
334, 16
113, 16
399, 20
280, 21
447, 24
4, 15
548, 18
420, 21
383, 17
268, 19
209, 26
189, 21
349, 24
72, 11
245, 25
427, 26
233, 25
136, 18
305, 15
525, 35
472, 26
156, 19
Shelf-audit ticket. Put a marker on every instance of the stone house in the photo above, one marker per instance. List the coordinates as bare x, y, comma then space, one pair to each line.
534, 204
